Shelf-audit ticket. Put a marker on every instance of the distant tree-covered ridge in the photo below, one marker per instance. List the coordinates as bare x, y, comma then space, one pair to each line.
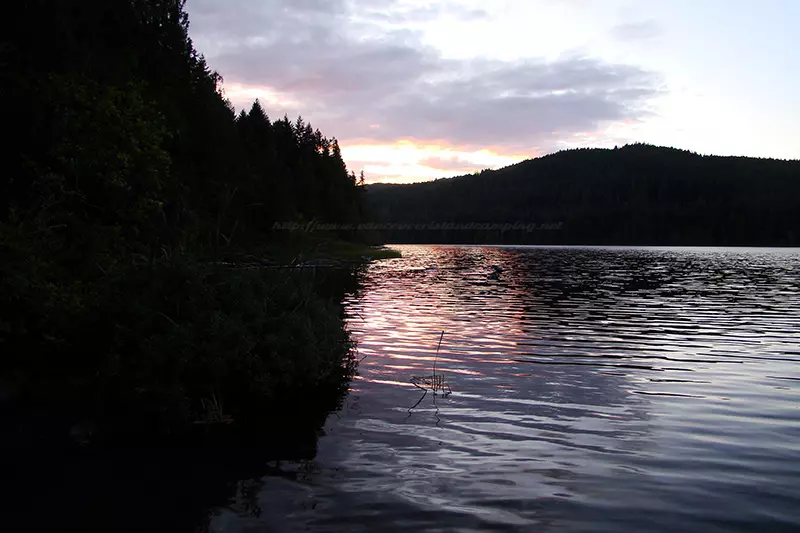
638, 194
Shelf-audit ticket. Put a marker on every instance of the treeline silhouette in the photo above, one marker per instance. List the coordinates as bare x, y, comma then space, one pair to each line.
128, 183
638, 194
119, 126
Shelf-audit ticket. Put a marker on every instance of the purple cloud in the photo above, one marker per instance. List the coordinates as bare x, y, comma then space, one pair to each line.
349, 71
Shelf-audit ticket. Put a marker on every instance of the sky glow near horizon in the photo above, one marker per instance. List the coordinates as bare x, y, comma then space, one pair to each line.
418, 90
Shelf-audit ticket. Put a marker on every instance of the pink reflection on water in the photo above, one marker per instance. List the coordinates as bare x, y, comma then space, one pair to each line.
400, 367
464, 371
420, 358
385, 381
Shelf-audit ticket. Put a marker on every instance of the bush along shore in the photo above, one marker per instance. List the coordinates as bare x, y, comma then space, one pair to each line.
137, 216
179, 349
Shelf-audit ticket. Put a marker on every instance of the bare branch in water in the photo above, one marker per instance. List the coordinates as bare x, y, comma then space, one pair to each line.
435, 382
437, 353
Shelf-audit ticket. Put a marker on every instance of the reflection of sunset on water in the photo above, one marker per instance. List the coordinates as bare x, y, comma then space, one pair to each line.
576, 374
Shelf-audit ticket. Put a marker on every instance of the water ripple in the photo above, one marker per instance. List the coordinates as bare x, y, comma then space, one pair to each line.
594, 389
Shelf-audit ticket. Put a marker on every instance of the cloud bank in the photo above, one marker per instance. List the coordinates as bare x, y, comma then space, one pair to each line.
356, 71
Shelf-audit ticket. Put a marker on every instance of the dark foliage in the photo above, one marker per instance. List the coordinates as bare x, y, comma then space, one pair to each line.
126, 179
639, 194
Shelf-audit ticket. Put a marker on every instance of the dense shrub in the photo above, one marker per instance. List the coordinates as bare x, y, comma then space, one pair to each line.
127, 179
160, 348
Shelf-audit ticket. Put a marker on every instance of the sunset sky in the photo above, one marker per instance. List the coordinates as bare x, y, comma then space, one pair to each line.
419, 90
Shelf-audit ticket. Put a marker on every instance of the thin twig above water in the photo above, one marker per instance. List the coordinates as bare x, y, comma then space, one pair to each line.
435, 383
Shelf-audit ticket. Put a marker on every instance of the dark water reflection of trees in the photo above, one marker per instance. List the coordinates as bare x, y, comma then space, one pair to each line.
174, 488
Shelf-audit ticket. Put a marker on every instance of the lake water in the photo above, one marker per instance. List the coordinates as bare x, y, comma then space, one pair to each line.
593, 389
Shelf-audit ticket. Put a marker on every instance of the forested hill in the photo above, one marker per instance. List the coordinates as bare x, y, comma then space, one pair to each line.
121, 139
639, 194
131, 197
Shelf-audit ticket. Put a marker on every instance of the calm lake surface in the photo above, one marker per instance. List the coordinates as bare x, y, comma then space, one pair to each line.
593, 389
